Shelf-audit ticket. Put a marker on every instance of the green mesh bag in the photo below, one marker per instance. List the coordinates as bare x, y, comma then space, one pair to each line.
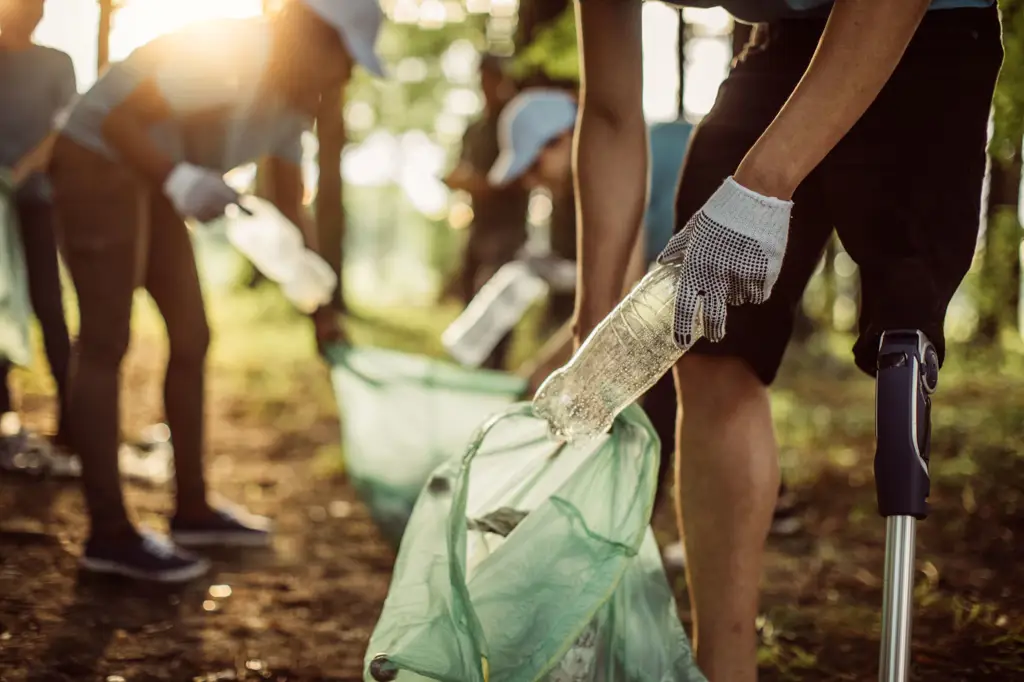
403, 415
15, 308
530, 561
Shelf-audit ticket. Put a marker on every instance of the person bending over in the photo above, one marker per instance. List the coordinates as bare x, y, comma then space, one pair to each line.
144, 148
866, 116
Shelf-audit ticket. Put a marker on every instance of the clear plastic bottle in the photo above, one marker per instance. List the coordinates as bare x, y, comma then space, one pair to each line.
275, 247
620, 360
492, 313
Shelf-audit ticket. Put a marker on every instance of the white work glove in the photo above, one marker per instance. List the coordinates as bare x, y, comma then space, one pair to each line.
198, 192
731, 252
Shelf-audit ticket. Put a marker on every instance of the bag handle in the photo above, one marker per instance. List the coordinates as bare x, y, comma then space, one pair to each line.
338, 354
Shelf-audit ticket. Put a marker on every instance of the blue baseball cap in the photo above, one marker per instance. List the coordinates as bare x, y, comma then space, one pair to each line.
527, 124
358, 23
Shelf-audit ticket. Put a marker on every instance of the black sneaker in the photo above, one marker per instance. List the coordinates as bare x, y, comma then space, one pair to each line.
226, 528
152, 557
63, 463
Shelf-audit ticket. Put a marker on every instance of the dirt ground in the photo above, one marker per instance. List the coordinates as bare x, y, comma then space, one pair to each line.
303, 611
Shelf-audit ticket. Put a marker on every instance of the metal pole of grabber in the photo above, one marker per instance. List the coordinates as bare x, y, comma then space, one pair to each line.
908, 372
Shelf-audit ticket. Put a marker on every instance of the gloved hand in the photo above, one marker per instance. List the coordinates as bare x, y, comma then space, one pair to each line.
731, 252
198, 192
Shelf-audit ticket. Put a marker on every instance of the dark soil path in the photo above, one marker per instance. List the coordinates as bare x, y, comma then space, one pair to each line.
304, 611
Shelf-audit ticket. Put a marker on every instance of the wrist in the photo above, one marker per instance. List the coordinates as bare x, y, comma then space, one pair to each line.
770, 177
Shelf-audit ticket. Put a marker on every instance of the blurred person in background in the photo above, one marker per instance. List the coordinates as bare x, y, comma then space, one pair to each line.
536, 133
498, 229
828, 120
143, 149
36, 83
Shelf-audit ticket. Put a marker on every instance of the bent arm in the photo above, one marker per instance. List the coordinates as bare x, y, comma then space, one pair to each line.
610, 160
125, 129
860, 48
466, 178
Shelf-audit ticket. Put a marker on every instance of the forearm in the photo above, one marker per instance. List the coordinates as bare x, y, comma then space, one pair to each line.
466, 179
860, 48
130, 138
611, 192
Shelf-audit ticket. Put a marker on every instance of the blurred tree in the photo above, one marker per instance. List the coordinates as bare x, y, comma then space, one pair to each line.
330, 214
547, 54
534, 15
430, 91
107, 8
999, 278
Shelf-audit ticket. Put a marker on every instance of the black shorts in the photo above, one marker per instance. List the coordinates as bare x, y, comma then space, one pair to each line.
902, 188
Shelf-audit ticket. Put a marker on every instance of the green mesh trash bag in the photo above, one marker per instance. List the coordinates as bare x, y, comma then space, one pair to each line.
15, 308
530, 561
403, 415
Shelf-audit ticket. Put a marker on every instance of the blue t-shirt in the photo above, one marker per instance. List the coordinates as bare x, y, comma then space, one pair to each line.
754, 11
35, 85
668, 147
212, 76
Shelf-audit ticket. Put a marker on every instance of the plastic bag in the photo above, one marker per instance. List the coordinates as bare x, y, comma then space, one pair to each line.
531, 561
402, 416
15, 308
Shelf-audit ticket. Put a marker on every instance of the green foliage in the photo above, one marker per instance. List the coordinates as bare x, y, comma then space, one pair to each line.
553, 51
403, 103
1008, 102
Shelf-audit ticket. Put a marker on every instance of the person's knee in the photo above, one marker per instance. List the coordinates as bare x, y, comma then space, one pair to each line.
718, 387
189, 346
103, 348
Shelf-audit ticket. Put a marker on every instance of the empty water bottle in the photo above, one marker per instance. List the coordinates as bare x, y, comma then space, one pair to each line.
493, 312
275, 247
620, 360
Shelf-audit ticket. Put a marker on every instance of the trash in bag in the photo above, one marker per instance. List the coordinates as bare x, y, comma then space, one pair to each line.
15, 309
533, 561
402, 416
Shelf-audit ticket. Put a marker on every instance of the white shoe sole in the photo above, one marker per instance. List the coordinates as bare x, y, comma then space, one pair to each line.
194, 540
180, 575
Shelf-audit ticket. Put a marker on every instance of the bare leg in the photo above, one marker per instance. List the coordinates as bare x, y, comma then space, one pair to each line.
727, 481
173, 282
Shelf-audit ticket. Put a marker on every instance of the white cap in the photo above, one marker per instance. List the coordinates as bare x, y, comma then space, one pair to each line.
358, 23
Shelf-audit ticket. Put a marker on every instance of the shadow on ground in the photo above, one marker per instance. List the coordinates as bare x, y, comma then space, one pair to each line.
304, 612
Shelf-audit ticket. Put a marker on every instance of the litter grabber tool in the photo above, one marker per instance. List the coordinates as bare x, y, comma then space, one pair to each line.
908, 374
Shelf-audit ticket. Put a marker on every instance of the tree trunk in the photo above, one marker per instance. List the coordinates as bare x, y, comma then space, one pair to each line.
330, 209
533, 15
103, 37
1000, 269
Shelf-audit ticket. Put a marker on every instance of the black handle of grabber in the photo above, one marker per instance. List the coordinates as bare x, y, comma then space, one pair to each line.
908, 373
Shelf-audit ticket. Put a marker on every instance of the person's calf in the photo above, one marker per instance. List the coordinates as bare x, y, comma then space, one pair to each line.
727, 482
